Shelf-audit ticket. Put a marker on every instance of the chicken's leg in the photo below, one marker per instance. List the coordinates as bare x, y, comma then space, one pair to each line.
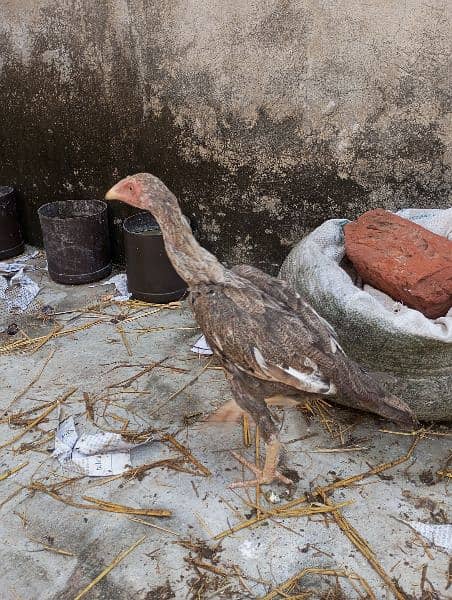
249, 395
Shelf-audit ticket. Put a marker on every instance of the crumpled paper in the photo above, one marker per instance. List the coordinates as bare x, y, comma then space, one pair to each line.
120, 283
17, 290
98, 455
7, 268
438, 534
201, 347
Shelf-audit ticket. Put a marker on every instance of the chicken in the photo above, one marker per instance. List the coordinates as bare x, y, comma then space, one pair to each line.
268, 339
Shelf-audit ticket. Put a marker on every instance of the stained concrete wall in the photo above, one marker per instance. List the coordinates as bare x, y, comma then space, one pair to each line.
264, 116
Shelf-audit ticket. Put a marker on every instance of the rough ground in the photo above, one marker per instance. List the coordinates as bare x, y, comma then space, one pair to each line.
247, 564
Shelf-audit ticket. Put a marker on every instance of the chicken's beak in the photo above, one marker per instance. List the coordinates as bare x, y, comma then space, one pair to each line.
113, 193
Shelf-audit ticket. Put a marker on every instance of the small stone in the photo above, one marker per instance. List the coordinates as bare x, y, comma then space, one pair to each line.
402, 259
330, 108
12, 329
272, 497
47, 310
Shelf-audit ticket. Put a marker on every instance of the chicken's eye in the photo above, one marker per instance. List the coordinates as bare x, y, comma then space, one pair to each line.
130, 188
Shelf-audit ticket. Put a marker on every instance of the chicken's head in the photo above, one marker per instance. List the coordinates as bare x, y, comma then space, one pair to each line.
144, 191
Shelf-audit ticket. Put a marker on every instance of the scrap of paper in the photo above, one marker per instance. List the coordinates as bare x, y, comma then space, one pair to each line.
8, 268
439, 535
120, 283
18, 292
201, 347
98, 455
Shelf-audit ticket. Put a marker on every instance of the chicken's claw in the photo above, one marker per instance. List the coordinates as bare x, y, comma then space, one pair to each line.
262, 477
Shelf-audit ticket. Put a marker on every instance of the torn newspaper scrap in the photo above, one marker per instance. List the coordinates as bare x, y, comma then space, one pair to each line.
18, 292
201, 347
438, 534
97, 455
8, 268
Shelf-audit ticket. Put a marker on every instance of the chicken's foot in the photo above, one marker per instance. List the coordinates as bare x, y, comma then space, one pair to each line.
266, 475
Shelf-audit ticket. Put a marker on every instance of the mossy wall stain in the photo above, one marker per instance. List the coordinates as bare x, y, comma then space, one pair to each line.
265, 118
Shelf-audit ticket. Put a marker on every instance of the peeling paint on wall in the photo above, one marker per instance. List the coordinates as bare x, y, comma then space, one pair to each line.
265, 117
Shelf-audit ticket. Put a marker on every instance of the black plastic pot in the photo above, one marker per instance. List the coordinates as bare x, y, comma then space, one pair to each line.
150, 275
76, 240
11, 242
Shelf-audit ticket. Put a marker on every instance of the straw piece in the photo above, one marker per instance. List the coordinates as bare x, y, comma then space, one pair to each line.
36, 343
282, 512
112, 507
52, 548
84, 309
61, 484
41, 417
202, 565
125, 341
17, 418
422, 432
171, 463
336, 450
126, 382
257, 462
246, 431
360, 543
143, 522
312, 509
203, 524
140, 316
181, 389
32, 382
11, 496
186, 452
449, 574
375, 471
46, 338
110, 567
10, 472
290, 583
444, 473
100, 504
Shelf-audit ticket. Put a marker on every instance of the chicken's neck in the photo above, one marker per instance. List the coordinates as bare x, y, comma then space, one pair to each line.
192, 262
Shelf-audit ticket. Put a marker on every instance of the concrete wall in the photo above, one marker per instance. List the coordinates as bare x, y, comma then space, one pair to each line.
264, 116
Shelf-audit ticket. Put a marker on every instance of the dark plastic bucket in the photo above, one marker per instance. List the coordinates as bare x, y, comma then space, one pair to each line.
76, 240
150, 275
11, 242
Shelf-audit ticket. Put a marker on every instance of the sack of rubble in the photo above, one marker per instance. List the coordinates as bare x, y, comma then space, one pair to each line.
409, 353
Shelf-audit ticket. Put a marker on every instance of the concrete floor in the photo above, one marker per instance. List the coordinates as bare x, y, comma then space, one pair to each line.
247, 564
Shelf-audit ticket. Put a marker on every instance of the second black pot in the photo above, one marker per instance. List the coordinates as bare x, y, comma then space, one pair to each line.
150, 275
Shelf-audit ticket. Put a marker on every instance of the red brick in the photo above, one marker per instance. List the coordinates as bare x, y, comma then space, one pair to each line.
401, 258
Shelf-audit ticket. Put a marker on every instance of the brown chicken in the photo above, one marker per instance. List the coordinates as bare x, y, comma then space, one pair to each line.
267, 338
